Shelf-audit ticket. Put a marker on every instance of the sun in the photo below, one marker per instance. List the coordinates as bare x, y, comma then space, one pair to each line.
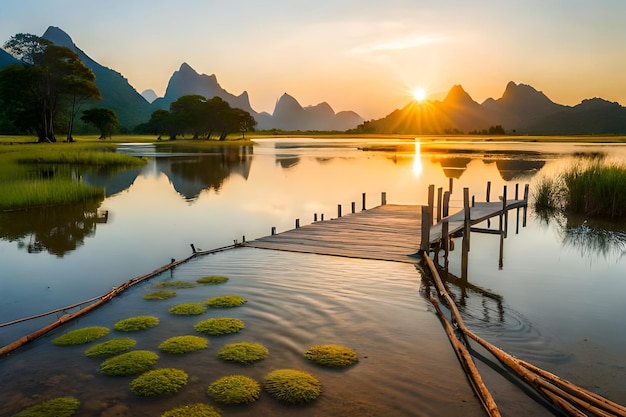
419, 94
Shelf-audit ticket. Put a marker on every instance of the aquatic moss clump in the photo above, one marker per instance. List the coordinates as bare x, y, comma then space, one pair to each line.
57, 407
292, 386
235, 389
193, 410
158, 382
133, 324
188, 309
243, 352
183, 344
175, 284
225, 301
335, 356
220, 325
129, 363
160, 295
213, 279
111, 347
81, 336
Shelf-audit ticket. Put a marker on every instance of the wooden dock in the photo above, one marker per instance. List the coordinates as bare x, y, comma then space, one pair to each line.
387, 232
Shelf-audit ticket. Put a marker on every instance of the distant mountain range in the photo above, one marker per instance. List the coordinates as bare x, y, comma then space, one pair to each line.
521, 109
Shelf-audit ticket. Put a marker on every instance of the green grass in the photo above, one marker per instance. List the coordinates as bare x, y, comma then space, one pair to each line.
111, 347
235, 389
212, 280
334, 356
292, 386
158, 382
81, 336
218, 326
591, 188
57, 407
225, 301
183, 344
132, 324
188, 309
159, 295
129, 363
175, 284
39, 193
243, 352
193, 410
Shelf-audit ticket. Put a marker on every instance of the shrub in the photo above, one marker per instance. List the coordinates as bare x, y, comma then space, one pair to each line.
335, 356
57, 407
213, 279
163, 381
129, 363
225, 301
183, 344
160, 295
175, 284
243, 352
111, 347
292, 386
218, 326
132, 324
235, 389
188, 309
81, 336
192, 410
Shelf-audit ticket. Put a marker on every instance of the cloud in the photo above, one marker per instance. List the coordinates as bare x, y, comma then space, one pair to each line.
397, 44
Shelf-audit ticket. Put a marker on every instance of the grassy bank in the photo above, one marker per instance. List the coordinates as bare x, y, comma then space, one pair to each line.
33, 175
595, 189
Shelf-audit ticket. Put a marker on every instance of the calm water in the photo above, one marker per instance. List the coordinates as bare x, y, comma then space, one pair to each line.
557, 300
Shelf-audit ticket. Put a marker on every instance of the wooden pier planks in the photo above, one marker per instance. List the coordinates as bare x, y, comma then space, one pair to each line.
389, 233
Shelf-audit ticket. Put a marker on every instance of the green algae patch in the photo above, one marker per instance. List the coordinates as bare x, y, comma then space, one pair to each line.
81, 336
175, 284
129, 363
111, 347
334, 356
212, 280
220, 325
188, 309
243, 352
160, 295
183, 344
159, 382
292, 386
225, 301
193, 410
133, 324
235, 389
57, 407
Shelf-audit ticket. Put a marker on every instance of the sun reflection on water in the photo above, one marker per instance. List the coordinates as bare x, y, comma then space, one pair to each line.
417, 160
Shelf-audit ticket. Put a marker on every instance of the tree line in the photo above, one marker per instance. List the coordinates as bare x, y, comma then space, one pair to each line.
44, 93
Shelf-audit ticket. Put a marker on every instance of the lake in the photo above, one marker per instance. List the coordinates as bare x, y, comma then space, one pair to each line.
557, 300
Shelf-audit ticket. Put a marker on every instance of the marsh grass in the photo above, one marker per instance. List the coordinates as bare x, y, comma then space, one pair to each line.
331, 355
158, 382
160, 295
132, 324
212, 280
111, 347
129, 363
193, 410
57, 407
225, 301
243, 352
178, 345
188, 309
235, 389
591, 188
81, 336
292, 386
175, 284
220, 325
40, 193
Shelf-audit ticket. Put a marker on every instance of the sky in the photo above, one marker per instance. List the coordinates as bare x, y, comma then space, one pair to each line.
355, 55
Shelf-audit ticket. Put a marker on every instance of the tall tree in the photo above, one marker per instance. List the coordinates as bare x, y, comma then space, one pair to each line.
80, 88
105, 120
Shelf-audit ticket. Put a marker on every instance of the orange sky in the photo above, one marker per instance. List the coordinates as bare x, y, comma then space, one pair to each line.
351, 54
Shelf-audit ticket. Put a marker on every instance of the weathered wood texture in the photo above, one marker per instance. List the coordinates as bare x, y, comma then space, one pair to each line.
389, 232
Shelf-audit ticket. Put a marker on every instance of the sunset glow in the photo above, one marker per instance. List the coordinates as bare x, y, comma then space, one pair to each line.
419, 94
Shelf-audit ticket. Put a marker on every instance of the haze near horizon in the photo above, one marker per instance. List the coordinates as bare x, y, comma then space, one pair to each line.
369, 58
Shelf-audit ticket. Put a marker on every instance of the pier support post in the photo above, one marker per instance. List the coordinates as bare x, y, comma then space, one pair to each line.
297, 223
315, 217
383, 198
353, 207
467, 219
363, 201
446, 204
427, 221
505, 213
338, 210
525, 204
431, 201
439, 200
450, 185
322, 215
488, 194
273, 230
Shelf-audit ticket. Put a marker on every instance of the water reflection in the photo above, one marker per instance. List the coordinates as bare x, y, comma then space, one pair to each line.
57, 230
113, 180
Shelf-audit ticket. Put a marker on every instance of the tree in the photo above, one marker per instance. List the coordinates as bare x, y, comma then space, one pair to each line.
190, 111
18, 102
56, 76
105, 120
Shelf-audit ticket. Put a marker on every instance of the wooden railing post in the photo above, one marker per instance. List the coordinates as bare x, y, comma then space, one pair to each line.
383, 198
363, 200
353, 207
427, 221
467, 218
431, 201
488, 194
297, 223
446, 204
338, 210
439, 200
273, 230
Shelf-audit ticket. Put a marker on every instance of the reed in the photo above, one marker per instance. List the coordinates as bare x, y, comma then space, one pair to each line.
592, 188
39, 193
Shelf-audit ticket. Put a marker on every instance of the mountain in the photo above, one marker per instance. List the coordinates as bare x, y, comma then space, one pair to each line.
6, 59
117, 93
149, 95
521, 109
290, 115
